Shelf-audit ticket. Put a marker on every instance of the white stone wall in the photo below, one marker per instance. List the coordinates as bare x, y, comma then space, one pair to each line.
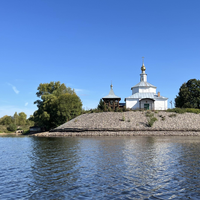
161, 104
132, 103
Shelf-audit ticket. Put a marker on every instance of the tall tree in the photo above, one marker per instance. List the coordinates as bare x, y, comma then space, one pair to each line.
101, 105
16, 118
189, 95
6, 120
57, 105
22, 119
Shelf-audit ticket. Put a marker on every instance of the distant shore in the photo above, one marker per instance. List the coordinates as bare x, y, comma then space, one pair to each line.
2, 134
128, 124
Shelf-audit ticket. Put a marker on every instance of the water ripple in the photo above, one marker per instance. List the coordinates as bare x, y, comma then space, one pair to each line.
100, 168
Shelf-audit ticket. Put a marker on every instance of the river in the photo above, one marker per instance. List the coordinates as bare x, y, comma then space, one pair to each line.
100, 168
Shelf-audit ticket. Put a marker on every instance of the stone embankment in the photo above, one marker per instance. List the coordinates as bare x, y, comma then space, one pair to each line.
128, 124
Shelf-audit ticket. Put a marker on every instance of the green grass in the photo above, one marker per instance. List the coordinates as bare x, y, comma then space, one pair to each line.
150, 118
149, 114
123, 118
150, 121
184, 110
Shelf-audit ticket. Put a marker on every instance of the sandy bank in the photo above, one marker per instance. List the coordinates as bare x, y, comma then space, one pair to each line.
3, 134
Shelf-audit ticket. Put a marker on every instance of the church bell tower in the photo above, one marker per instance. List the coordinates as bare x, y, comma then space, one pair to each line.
143, 75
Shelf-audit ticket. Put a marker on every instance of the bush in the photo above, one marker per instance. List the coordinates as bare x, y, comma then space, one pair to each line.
12, 127
150, 121
172, 115
150, 118
162, 117
149, 114
124, 108
184, 110
109, 109
193, 110
177, 110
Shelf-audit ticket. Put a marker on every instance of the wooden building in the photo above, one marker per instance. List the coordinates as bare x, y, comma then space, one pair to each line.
111, 100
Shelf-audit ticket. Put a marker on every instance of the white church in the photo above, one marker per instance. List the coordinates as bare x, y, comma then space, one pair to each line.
144, 95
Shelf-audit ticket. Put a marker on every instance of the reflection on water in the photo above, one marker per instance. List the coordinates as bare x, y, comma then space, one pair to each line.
100, 168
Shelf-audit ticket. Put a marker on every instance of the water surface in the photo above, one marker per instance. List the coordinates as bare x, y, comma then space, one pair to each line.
100, 168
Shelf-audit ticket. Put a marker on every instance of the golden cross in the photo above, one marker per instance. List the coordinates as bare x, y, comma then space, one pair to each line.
142, 60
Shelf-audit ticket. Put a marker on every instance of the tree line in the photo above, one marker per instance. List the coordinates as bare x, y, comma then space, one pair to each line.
12, 122
58, 104
17, 119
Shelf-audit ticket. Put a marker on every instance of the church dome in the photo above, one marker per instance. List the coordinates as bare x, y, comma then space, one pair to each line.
143, 68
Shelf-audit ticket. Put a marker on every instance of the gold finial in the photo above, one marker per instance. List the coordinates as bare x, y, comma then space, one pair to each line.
111, 86
143, 68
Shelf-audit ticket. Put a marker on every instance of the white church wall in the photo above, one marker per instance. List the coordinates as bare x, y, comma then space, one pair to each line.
135, 90
147, 90
161, 104
132, 104
166, 104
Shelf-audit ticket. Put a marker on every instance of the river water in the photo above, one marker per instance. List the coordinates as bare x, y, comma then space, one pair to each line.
100, 168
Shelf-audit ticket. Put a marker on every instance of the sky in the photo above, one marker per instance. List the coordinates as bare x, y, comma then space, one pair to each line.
87, 44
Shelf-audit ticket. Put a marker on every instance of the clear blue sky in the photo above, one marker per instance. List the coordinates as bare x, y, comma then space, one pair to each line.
86, 44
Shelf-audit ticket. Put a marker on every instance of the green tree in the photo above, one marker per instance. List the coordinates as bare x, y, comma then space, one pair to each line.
101, 105
16, 118
12, 127
57, 105
30, 121
22, 119
6, 120
189, 95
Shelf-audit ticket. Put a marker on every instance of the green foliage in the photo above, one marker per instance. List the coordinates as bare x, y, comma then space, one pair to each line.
184, 110
109, 109
22, 119
177, 110
150, 118
172, 115
12, 127
58, 104
16, 118
162, 117
124, 108
149, 114
150, 121
123, 118
101, 105
189, 95
6, 120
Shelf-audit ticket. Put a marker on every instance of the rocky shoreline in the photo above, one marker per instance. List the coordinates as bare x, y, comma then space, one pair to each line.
129, 123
